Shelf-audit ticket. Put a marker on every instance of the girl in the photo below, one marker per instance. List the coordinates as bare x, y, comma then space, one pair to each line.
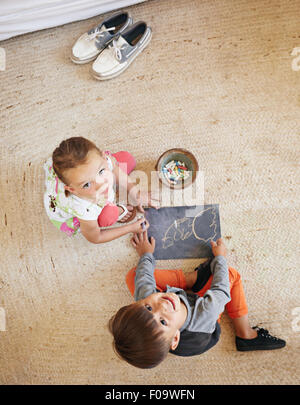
80, 191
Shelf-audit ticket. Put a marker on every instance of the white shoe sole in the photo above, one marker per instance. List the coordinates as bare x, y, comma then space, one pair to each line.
82, 61
107, 77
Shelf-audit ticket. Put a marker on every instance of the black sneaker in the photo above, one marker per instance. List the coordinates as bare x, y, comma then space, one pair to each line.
263, 341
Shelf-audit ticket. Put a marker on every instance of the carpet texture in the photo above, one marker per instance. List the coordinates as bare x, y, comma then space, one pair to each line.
217, 79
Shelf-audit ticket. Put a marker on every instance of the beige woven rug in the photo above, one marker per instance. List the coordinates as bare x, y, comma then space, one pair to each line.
217, 79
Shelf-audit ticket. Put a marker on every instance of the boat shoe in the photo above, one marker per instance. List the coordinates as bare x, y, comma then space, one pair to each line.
91, 43
122, 51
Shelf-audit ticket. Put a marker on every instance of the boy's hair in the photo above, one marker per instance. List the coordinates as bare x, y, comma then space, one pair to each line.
137, 338
71, 153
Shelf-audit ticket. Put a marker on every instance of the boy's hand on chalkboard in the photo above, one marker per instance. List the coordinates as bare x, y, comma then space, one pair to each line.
218, 248
142, 244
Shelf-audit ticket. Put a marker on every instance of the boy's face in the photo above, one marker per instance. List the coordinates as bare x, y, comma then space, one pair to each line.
92, 180
169, 313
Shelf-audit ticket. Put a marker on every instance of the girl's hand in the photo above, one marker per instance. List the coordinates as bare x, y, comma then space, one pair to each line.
142, 244
137, 227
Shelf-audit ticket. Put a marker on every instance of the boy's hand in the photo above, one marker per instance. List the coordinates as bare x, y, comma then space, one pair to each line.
142, 244
219, 248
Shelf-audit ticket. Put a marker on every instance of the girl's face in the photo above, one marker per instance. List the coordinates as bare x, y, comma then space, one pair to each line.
92, 180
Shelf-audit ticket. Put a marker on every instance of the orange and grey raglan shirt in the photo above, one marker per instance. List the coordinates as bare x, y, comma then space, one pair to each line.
201, 329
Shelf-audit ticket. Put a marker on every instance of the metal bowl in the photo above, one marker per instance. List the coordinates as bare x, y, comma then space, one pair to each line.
181, 155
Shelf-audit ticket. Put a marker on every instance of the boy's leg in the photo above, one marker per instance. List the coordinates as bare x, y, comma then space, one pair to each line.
247, 338
172, 278
237, 308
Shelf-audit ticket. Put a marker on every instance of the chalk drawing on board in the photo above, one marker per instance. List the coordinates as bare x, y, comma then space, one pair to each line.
180, 229
213, 224
184, 231
183, 228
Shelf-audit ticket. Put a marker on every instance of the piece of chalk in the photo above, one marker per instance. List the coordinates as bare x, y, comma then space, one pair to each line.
176, 171
143, 225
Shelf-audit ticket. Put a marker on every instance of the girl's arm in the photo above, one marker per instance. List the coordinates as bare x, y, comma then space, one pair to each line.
91, 231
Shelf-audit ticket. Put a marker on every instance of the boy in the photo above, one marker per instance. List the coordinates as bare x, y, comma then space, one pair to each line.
166, 318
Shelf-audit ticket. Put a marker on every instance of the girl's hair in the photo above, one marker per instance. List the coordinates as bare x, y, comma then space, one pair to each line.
71, 153
137, 338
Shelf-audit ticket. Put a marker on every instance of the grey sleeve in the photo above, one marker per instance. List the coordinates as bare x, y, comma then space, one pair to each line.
145, 283
208, 308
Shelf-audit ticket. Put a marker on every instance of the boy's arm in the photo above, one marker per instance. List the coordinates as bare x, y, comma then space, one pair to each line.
208, 308
145, 283
144, 277
219, 291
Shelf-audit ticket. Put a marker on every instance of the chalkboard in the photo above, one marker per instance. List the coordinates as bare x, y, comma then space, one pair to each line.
184, 232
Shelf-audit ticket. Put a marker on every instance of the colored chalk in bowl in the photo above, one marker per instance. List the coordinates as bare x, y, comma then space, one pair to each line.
175, 171
177, 168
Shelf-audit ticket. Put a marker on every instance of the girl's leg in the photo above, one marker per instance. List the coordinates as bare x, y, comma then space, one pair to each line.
108, 216
126, 161
172, 278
